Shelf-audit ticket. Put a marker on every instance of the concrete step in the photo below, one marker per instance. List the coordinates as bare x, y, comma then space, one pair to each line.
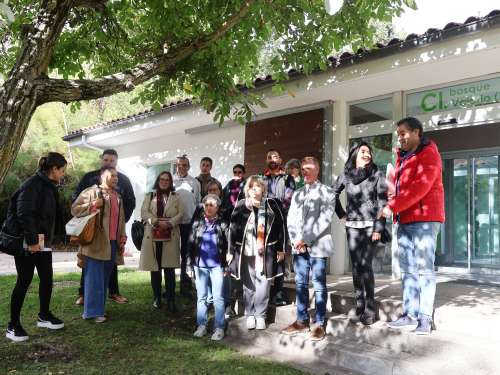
374, 350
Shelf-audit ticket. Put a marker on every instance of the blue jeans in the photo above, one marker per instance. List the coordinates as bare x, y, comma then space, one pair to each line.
204, 276
226, 291
417, 249
302, 264
97, 274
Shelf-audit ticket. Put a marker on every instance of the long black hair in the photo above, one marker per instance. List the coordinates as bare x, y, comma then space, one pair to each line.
353, 154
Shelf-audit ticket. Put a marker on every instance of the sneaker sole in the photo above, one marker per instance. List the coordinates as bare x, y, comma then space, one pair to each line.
15, 338
49, 325
404, 328
294, 332
317, 339
422, 333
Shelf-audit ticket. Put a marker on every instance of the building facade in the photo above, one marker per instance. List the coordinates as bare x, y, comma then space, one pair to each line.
449, 79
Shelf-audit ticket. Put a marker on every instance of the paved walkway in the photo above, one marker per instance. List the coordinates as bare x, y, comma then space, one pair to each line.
62, 262
466, 340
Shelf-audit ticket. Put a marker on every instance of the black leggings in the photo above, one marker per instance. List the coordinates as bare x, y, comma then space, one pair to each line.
25, 266
361, 249
169, 277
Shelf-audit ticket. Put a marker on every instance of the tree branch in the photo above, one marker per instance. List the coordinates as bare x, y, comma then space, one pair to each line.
98, 5
66, 91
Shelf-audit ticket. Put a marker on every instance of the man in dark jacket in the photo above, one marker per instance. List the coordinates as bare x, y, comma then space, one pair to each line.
109, 158
281, 187
418, 207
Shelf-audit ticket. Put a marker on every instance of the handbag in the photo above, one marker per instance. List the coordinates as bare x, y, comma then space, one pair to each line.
385, 236
162, 234
137, 233
11, 245
89, 229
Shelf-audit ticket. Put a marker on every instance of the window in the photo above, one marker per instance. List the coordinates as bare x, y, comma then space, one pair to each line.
154, 171
373, 111
382, 149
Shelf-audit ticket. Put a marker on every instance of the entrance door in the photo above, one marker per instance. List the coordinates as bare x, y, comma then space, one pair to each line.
472, 233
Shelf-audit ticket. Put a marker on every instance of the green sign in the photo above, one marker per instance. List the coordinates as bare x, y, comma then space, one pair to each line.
468, 95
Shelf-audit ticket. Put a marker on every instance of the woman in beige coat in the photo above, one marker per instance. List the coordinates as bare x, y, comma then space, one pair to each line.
162, 212
108, 243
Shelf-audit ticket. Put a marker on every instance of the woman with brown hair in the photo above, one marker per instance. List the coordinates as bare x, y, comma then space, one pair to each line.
162, 213
33, 213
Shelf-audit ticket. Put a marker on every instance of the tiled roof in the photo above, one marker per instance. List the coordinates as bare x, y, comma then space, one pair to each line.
379, 50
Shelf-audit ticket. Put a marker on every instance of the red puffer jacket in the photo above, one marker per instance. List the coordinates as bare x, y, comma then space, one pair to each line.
419, 186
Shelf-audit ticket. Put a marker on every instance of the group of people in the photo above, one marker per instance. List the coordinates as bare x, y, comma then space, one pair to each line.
250, 230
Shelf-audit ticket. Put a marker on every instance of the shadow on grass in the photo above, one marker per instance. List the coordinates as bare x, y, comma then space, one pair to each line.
135, 340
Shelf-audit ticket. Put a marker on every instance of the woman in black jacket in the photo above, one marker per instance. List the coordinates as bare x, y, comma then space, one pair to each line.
366, 191
33, 213
207, 247
257, 248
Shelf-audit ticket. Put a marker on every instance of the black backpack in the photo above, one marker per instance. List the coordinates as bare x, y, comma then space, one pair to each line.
12, 244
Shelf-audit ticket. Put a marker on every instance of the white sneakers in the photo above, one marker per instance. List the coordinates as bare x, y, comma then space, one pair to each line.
256, 323
261, 323
200, 331
250, 322
218, 334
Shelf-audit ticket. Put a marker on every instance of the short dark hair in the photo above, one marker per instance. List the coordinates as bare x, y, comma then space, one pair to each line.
311, 159
51, 160
206, 158
110, 151
184, 157
156, 185
240, 166
412, 123
274, 150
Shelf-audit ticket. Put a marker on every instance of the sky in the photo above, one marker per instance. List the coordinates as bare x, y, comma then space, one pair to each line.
437, 13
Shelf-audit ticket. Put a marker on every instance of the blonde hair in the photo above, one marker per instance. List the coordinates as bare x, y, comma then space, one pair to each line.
255, 180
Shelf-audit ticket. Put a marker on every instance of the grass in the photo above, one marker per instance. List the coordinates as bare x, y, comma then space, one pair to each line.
135, 340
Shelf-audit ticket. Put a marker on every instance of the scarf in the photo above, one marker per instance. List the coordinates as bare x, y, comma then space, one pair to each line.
260, 231
358, 175
161, 202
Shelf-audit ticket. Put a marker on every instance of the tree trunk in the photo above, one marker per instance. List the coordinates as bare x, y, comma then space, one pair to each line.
19, 95
16, 109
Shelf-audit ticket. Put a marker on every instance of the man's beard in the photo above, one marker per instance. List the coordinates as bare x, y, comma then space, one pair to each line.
272, 165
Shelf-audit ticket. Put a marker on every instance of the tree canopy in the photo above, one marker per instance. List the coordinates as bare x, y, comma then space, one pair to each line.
73, 50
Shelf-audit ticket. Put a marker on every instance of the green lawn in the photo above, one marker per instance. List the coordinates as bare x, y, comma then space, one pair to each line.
135, 340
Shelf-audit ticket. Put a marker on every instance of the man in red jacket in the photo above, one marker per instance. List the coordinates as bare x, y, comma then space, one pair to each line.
418, 207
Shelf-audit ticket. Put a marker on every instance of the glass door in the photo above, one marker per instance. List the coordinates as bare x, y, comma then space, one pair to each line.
485, 240
472, 233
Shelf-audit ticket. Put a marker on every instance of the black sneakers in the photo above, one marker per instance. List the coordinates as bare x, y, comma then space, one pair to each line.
49, 321
16, 332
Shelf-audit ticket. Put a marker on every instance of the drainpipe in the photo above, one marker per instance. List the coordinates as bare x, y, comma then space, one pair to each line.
87, 145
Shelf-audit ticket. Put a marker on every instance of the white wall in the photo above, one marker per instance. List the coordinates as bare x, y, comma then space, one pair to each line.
162, 137
225, 146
